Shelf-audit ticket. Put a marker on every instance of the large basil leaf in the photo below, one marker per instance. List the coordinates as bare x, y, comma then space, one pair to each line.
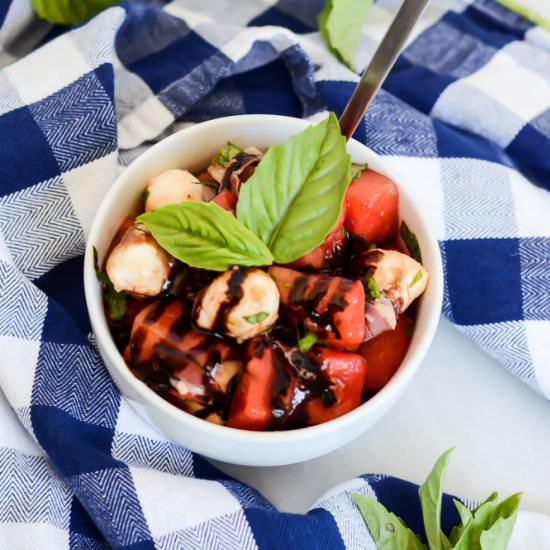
491, 526
341, 24
294, 198
430, 499
388, 530
203, 235
69, 12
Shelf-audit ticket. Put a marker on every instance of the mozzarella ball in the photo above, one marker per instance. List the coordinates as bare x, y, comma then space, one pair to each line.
240, 303
137, 264
398, 276
173, 186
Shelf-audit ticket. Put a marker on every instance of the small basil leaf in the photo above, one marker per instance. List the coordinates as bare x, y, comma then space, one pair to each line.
416, 278
256, 317
357, 170
227, 153
430, 499
372, 286
499, 534
204, 235
465, 513
491, 498
410, 240
341, 25
294, 198
491, 514
69, 12
116, 301
307, 342
465, 518
388, 530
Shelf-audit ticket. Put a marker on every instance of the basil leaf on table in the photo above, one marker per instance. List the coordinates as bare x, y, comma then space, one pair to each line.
492, 497
204, 235
430, 494
465, 518
69, 12
491, 526
341, 25
294, 198
388, 530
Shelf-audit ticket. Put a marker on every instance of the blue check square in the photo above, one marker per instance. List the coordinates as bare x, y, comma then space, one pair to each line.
27, 157
491, 292
175, 61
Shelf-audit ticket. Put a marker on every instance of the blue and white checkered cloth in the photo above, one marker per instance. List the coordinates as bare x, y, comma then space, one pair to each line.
465, 115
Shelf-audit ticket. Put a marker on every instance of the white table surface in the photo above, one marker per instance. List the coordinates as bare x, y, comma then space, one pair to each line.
460, 397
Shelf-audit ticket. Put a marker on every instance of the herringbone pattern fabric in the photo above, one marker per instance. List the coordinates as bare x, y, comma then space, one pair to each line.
464, 117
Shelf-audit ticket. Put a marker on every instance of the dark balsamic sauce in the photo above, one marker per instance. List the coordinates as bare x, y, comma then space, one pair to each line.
240, 162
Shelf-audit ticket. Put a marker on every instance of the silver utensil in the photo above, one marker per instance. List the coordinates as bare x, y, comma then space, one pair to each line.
380, 65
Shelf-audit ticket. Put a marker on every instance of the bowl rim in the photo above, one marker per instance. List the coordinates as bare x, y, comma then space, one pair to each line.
106, 343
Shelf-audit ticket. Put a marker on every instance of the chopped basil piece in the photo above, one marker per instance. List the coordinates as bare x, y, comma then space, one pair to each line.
371, 246
416, 278
256, 317
411, 242
357, 170
307, 342
227, 153
374, 291
116, 301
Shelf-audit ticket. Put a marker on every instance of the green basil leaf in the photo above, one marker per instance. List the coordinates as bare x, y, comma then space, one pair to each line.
227, 153
492, 497
416, 278
116, 301
341, 25
430, 499
465, 517
496, 520
204, 235
69, 12
388, 530
357, 170
307, 342
294, 198
256, 317
374, 291
410, 240
498, 536
464, 512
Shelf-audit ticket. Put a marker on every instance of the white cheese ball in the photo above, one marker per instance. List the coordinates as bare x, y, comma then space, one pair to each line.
398, 276
249, 302
137, 264
173, 186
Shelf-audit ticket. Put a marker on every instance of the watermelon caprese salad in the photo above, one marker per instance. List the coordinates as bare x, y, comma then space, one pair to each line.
271, 290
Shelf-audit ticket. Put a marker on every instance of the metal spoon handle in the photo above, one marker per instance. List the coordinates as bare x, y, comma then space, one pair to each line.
380, 65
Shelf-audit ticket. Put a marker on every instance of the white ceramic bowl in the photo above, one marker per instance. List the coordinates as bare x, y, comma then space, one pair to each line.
192, 148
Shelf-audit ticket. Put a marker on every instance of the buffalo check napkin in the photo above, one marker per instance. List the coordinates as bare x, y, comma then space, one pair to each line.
465, 114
